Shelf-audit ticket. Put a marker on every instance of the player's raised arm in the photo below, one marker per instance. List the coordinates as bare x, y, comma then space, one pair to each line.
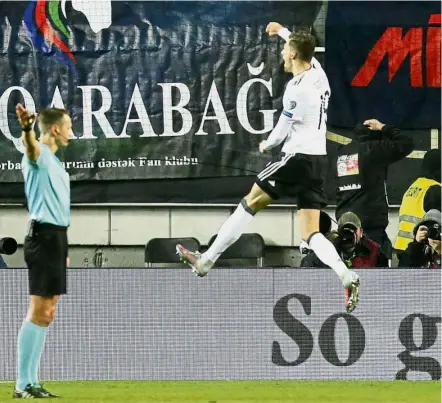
275, 28
27, 121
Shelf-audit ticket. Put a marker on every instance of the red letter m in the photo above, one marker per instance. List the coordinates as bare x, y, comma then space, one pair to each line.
397, 48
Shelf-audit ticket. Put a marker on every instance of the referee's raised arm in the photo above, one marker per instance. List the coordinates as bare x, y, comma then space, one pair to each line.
27, 121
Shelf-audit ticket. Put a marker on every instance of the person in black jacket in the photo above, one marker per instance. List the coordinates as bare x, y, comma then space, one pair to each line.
362, 168
425, 250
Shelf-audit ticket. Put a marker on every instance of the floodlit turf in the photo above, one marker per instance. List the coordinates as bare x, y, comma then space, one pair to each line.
241, 391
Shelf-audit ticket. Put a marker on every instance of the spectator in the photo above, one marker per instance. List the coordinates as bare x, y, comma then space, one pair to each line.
425, 250
362, 168
355, 249
422, 196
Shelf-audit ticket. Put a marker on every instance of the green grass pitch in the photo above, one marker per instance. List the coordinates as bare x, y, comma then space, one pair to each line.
240, 391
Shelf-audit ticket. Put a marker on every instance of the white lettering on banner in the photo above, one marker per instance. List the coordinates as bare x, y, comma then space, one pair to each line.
78, 164
241, 102
143, 118
4, 123
120, 163
98, 114
16, 166
57, 100
136, 102
168, 108
180, 161
10, 166
149, 163
220, 114
117, 164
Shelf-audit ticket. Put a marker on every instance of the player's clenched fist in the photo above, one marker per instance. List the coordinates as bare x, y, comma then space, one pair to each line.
273, 28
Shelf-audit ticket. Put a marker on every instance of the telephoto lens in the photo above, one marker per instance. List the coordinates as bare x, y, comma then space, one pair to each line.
434, 232
8, 246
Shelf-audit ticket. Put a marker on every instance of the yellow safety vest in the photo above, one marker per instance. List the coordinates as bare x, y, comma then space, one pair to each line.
412, 210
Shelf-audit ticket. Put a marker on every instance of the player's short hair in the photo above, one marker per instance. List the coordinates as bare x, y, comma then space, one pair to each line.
48, 117
304, 43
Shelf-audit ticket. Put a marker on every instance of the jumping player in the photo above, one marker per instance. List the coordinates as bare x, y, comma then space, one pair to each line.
46, 247
299, 171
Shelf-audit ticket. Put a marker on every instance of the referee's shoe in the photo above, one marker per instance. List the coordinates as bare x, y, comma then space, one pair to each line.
32, 392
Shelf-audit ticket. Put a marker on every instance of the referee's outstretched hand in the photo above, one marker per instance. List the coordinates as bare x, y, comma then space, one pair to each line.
25, 117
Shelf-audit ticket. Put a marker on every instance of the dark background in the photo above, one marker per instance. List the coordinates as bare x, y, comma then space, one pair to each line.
196, 43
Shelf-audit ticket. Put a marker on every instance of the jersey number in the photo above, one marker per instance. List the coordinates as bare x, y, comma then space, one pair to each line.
323, 108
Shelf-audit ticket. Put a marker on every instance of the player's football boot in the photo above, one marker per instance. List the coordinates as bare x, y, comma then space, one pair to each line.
351, 284
29, 393
45, 393
194, 260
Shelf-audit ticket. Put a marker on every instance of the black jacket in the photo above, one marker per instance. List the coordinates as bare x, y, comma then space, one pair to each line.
419, 254
362, 168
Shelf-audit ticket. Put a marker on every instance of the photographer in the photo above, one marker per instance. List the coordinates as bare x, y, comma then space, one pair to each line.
425, 250
362, 168
354, 248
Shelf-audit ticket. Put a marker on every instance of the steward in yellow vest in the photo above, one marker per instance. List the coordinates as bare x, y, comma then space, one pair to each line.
423, 195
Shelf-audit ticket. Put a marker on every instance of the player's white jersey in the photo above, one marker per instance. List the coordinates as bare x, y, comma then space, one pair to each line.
305, 103
302, 125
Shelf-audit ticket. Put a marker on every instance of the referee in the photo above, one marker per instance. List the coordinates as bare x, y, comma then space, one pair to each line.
46, 247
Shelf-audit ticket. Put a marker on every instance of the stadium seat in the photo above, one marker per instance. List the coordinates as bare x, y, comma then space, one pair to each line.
163, 250
248, 246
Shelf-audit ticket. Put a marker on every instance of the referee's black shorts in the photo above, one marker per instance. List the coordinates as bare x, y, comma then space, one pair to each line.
46, 251
300, 176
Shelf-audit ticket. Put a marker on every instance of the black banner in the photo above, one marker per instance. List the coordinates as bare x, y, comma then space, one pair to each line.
169, 99
167, 90
383, 61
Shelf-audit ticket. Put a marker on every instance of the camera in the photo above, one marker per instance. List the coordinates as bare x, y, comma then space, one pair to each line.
8, 246
434, 231
347, 238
